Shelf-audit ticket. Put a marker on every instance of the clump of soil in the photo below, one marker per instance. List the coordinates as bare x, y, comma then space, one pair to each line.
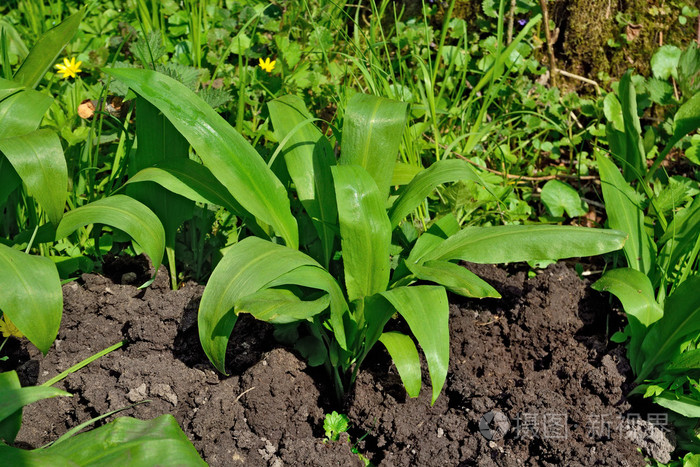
527, 373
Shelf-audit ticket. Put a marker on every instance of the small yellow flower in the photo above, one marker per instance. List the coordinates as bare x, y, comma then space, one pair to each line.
69, 68
266, 64
7, 328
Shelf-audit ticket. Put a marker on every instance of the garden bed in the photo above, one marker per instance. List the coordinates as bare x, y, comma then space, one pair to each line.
539, 356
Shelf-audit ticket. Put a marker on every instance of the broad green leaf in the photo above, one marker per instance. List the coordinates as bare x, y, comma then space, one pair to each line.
46, 51
125, 214
9, 180
405, 356
664, 62
684, 405
689, 70
626, 215
426, 310
22, 112
38, 159
157, 142
513, 243
404, 173
441, 229
309, 157
688, 360
559, 197
455, 278
31, 295
10, 425
681, 319
365, 231
8, 88
372, 130
425, 182
247, 267
12, 398
613, 112
680, 237
318, 278
635, 158
191, 180
687, 119
125, 441
635, 292
280, 306
232, 160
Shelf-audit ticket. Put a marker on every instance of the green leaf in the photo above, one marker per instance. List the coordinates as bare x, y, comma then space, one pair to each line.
512, 243
365, 231
684, 405
681, 319
157, 142
635, 166
125, 441
372, 130
425, 182
635, 292
455, 278
687, 118
31, 295
13, 398
334, 424
38, 159
689, 70
404, 173
664, 62
232, 160
280, 306
559, 197
309, 157
426, 310
191, 180
619, 337
626, 215
22, 112
46, 51
248, 267
405, 356
10, 425
688, 360
125, 214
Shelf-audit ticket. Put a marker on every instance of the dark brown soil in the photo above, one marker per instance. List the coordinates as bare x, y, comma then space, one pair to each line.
538, 359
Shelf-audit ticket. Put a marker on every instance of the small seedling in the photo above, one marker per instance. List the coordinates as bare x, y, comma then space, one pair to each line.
334, 424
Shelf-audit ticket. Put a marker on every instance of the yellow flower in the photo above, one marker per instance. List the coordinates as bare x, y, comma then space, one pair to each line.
9, 329
69, 68
266, 64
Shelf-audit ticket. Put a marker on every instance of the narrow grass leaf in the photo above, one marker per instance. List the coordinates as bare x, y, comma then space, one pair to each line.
38, 159
232, 160
405, 356
32, 297
425, 182
309, 157
123, 213
635, 155
372, 131
46, 51
365, 231
426, 310
625, 214
513, 243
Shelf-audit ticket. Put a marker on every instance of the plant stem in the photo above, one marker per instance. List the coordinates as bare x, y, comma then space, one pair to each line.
550, 45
